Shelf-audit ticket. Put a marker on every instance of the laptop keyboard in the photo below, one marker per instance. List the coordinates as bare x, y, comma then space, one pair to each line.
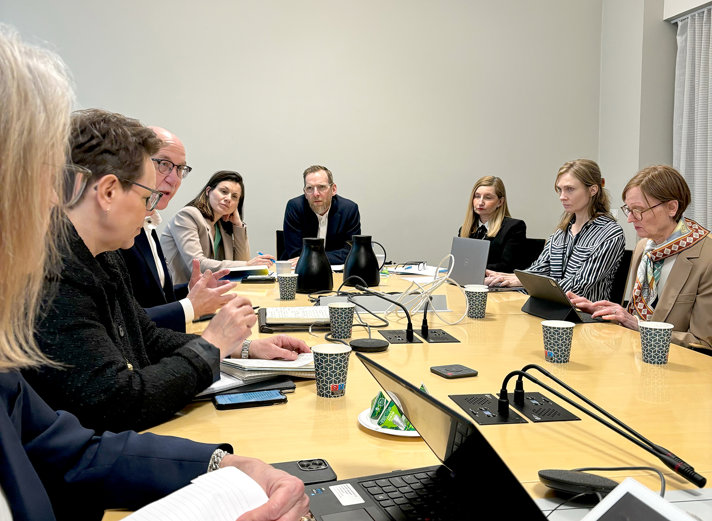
419, 496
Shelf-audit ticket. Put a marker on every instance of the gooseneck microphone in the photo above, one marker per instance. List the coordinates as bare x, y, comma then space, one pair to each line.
673, 462
409, 328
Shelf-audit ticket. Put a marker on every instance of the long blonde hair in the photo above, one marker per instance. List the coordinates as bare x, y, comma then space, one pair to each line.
37, 98
472, 221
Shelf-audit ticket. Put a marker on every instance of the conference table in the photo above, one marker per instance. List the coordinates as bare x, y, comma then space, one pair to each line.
670, 404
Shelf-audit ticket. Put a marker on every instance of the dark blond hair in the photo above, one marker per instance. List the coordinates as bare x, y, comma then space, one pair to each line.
472, 220
589, 174
663, 183
317, 168
37, 98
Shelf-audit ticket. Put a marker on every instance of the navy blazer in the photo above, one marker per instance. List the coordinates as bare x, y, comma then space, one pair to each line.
300, 221
53, 468
506, 252
160, 302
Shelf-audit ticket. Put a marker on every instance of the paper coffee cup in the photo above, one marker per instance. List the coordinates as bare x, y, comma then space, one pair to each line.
331, 365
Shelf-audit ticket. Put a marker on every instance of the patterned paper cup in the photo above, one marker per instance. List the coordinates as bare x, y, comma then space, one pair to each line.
557, 340
287, 286
331, 363
655, 341
476, 300
341, 318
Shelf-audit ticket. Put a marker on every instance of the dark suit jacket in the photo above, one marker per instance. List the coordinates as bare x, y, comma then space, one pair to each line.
507, 247
300, 221
160, 302
53, 468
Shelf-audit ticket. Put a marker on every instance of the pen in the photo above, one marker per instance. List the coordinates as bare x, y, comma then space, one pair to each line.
260, 253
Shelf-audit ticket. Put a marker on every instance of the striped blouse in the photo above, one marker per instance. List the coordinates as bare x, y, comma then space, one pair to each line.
585, 263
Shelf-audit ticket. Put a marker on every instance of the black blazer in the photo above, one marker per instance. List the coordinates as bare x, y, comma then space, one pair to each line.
160, 302
506, 251
300, 221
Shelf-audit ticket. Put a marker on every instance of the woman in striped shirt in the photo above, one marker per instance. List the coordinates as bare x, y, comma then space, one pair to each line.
584, 252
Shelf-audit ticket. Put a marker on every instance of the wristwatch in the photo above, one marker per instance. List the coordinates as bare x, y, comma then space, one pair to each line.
246, 349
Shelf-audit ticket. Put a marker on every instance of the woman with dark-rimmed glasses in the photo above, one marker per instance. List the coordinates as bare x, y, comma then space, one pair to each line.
671, 268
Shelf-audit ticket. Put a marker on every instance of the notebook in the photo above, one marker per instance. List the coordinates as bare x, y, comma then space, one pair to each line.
293, 318
470, 257
547, 300
473, 482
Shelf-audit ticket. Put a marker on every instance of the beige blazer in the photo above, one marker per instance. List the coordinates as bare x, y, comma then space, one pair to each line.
686, 300
189, 236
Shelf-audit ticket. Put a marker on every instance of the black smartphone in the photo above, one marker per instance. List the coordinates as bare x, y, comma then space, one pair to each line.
259, 279
253, 399
453, 371
310, 471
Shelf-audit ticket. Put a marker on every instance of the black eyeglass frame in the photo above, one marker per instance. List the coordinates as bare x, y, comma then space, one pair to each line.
182, 170
638, 214
151, 200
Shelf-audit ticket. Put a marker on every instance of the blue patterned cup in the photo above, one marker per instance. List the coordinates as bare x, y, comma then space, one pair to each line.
557, 340
331, 363
341, 318
476, 300
655, 341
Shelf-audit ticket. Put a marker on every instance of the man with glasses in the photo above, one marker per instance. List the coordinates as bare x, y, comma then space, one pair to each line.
319, 212
168, 305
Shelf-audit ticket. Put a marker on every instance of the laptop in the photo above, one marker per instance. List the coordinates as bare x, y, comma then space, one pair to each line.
547, 300
470, 257
472, 482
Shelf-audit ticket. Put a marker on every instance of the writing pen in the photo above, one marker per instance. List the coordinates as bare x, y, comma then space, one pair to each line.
260, 253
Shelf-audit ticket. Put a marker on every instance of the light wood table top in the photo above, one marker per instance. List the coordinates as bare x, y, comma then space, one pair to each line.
671, 404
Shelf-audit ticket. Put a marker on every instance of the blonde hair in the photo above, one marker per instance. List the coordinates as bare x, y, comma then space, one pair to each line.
588, 172
36, 98
495, 222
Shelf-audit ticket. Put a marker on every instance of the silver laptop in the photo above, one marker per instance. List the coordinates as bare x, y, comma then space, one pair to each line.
470, 260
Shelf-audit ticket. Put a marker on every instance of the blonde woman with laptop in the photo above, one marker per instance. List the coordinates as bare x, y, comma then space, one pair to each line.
487, 218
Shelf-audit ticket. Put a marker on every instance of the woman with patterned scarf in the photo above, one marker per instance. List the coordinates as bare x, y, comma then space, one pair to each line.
671, 268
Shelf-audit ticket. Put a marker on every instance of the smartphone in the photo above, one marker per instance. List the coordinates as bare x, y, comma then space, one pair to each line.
453, 371
259, 279
253, 399
310, 471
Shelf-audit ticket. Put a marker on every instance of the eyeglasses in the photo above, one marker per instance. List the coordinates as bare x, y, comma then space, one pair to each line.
75, 180
165, 167
638, 214
151, 200
318, 188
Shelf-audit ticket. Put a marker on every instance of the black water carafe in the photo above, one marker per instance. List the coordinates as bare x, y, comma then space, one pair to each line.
313, 267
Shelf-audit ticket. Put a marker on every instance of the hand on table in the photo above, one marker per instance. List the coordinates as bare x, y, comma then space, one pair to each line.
287, 500
282, 347
604, 309
231, 326
263, 259
497, 278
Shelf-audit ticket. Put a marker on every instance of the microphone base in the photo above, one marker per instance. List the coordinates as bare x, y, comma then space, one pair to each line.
398, 336
572, 482
368, 345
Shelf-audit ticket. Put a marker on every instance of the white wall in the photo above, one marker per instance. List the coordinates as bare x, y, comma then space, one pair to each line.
676, 8
407, 101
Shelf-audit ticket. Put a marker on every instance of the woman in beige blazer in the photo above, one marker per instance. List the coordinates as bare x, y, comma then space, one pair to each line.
210, 229
671, 268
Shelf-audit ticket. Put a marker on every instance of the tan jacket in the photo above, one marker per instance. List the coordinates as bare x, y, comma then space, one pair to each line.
686, 300
188, 236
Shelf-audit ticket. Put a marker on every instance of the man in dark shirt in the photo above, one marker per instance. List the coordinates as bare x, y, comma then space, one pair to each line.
319, 212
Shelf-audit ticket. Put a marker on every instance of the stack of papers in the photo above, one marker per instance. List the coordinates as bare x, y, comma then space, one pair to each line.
252, 369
